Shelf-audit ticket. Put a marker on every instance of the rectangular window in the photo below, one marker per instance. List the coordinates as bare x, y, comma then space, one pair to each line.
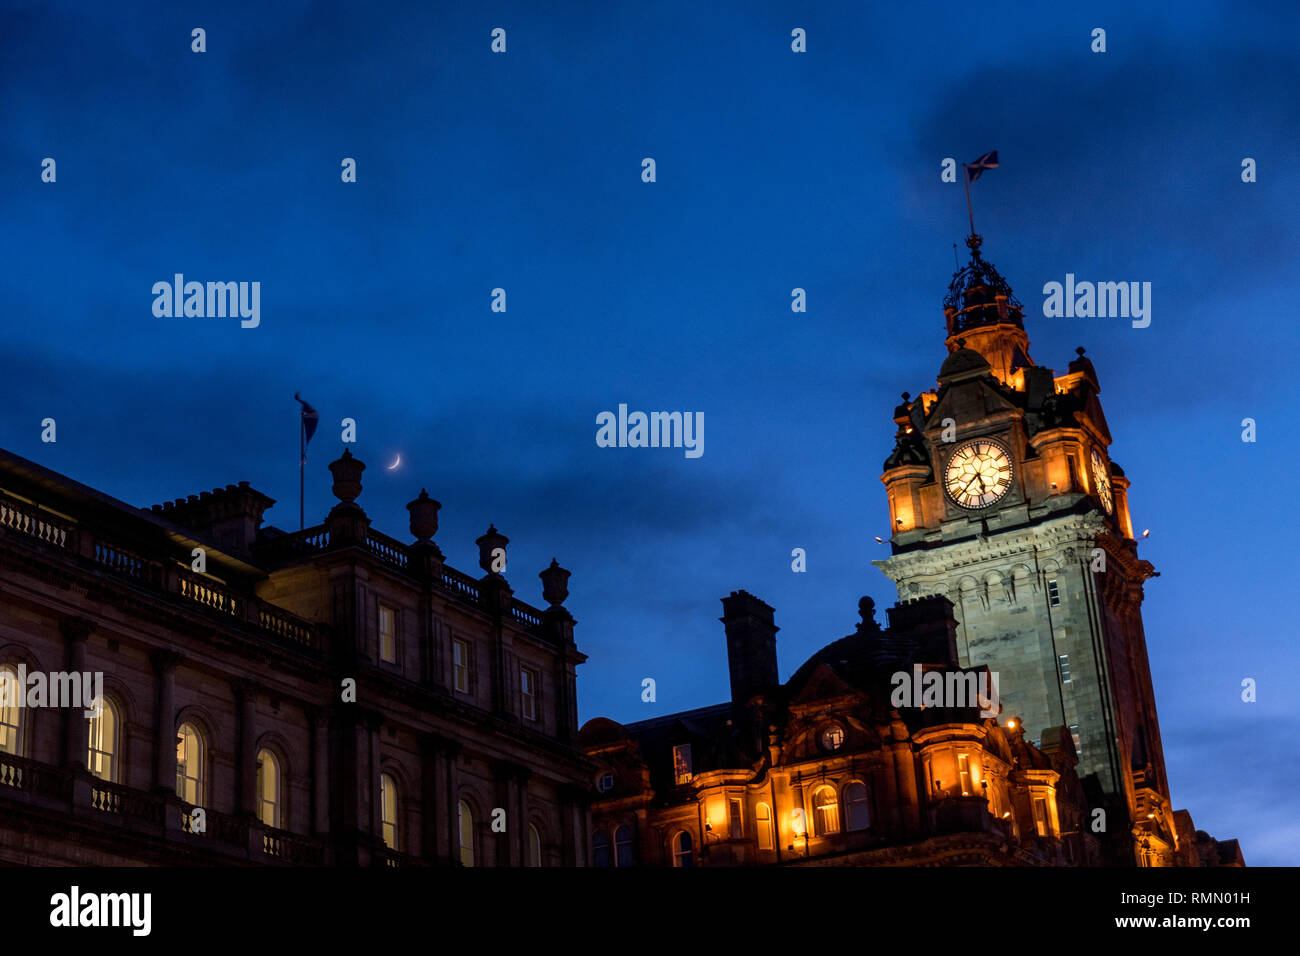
1065, 668
1040, 815
387, 634
682, 763
1053, 593
734, 812
460, 665
963, 771
1074, 733
528, 692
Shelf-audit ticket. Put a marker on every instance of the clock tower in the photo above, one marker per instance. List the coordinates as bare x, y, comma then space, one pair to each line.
1004, 499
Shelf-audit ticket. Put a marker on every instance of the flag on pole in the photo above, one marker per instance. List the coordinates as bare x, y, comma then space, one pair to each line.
987, 161
310, 418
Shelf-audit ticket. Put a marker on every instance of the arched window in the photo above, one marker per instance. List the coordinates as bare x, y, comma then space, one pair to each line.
191, 764
826, 812
682, 846
268, 789
388, 810
600, 848
101, 753
466, 817
857, 806
534, 846
11, 715
763, 813
624, 851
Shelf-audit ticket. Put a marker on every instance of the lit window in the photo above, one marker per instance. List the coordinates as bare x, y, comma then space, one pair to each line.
605, 782
682, 846
963, 772
625, 854
466, 834
1078, 744
1040, 815
682, 763
101, 756
528, 692
11, 715
600, 848
857, 806
268, 789
763, 813
387, 633
826, 812
1053, 593
460, 665
388, 810
190, 759
534, 846
833, 737
1065, 668
734, 817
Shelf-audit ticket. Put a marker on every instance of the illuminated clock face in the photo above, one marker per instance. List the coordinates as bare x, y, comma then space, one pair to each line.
1101, 481
978, 473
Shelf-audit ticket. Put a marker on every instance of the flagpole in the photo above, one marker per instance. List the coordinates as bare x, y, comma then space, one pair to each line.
302, 464
969, 212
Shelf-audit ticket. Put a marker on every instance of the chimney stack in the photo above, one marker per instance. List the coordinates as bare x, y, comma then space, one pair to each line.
751, 647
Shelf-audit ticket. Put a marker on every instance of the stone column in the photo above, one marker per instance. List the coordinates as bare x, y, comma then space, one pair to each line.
76, 735
245, 758
320, 781
165, 663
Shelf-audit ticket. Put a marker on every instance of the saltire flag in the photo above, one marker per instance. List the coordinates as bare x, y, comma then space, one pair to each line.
987, 161
310, 419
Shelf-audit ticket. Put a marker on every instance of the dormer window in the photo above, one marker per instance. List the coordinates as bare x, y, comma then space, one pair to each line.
832, 737
682, 763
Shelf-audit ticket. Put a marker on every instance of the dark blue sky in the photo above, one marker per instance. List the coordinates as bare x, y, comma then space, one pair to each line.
775, 170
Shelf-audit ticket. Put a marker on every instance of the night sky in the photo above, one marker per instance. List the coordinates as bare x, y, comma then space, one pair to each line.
775, 170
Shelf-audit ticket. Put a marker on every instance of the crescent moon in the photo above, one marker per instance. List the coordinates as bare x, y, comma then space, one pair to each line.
396, 463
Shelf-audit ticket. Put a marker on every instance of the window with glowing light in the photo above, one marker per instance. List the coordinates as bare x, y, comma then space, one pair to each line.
268, 789
826, 812
624, 850
857, 806
191, 759
101, 754
466, 820
1040, 816
11, 715
387, 634
460, 665
683, 850
388, 810
528, 692
833, 737
534, 846
963, 773
766, 838
600, 848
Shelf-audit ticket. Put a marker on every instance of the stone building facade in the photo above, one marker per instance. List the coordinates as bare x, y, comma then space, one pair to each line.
332, 696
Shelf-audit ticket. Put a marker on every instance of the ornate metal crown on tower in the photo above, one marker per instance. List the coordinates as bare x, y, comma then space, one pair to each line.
978, 295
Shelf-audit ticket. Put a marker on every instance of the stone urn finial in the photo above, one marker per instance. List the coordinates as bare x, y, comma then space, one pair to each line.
489, 543
424, 517
555, 584
347, 477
